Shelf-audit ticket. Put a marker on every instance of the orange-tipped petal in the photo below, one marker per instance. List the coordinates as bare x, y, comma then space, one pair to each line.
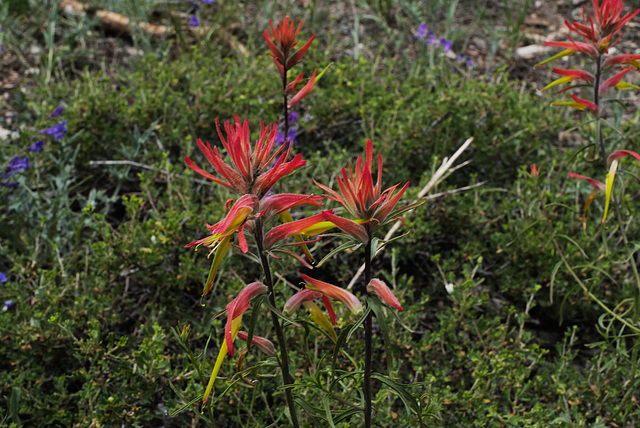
283, 231
239, 306
292, 86
304, 91
294, 302
613, 81
381, 290
347, 226
335, 293
594, 183
297, 57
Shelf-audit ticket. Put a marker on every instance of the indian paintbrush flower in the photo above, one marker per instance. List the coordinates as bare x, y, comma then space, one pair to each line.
282, 42
364, 199
253, 172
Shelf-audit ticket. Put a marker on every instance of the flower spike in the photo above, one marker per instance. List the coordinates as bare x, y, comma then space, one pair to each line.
249, 171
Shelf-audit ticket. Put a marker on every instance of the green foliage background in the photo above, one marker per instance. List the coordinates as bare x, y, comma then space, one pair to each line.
99, 276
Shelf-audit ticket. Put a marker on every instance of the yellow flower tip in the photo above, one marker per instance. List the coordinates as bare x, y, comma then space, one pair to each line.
609, 185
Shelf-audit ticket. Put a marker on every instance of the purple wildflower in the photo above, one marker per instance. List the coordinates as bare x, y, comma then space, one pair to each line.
8, 304
18, 164
37, 147
293, 116
193, 22
460, 58
422, 31
207, 1
469, 62
57, 112
280, 137
446, 44
3, 277
58, 131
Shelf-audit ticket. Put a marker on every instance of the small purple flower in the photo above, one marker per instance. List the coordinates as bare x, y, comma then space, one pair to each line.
58, 131
3, 277
193, 22
37, 147
432, 39
446, 44
18, 164
57, 112
461, 58
422, 31
207, 1
293, 116
280, 137
469, 62
8, 304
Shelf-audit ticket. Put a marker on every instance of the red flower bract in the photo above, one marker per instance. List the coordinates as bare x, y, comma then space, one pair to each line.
251, 172
282, 41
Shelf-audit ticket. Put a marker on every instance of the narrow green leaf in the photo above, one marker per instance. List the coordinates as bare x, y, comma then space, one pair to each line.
14, 404
407, 398
327, 410
554, 272
559, 235
342, 247
382, 322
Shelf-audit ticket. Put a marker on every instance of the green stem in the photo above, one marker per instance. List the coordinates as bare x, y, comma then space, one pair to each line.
284, 357
368, 338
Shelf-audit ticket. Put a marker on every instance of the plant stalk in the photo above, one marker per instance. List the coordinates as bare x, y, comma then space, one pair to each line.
368, 339
284, 357
285, 107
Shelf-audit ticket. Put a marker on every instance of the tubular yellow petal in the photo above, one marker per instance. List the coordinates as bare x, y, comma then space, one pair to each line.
318, 317
566, 52
625, 85
609, 184
235, 327
316, 229
573, 104
565, 79
285, 217
223, 248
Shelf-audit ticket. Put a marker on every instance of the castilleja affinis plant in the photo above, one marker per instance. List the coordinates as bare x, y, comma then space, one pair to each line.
594, 37
600, 32
258, 221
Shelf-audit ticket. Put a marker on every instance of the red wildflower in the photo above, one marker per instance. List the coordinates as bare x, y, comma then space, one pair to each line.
250, 171
282, 41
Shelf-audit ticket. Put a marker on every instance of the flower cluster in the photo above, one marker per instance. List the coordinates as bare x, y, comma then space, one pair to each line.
282, 43
21, 164
600, 32
429, 38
